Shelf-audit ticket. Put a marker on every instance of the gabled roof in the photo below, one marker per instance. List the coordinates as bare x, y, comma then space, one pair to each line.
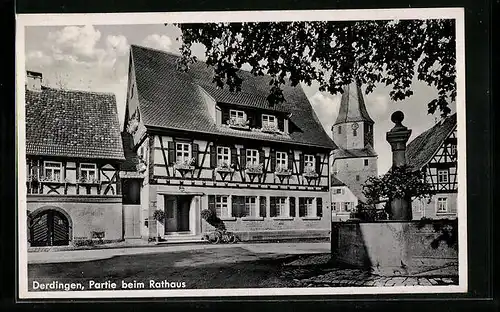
72, 124
172, 99
368, 151
131, 157
421, 149
352, 105
335, 181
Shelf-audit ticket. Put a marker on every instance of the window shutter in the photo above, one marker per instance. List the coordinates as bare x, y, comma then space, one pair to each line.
291, 160
258, 121
225, 115
234, 157
263, 206
318, 164
281, 124
211, 203
171, 152
319, 207
272, 204
273, 160
292, 206
251, 117
243, 158
195, 149
213, 157
301, 164
262, 158
302, 207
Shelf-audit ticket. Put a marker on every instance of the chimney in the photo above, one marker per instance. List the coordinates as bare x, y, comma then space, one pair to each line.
33, 81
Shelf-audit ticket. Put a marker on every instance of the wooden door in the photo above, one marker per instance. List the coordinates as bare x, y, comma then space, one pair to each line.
171, 214
183, 217
49, 228
132, 221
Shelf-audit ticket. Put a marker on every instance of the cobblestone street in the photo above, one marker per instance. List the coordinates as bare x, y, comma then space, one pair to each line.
314, 271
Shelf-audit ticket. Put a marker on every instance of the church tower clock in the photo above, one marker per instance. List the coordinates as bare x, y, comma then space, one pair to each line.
355, 159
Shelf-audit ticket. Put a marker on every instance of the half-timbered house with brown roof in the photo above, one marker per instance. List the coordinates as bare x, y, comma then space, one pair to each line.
261, 169
73, 154
434, 152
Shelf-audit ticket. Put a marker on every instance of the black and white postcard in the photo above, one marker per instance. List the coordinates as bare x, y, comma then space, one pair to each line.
209, 154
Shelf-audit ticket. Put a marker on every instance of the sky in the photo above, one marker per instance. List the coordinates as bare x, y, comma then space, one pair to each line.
95, 58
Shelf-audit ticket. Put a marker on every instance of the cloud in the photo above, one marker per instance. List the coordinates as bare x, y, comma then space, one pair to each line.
118, 44
326, 107
80, 41
160, 42
38, 58
377, 104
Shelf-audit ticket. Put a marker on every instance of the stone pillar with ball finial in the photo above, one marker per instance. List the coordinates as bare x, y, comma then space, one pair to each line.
398, 137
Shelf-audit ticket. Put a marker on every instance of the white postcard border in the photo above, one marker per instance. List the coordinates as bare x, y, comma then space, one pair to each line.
24, 20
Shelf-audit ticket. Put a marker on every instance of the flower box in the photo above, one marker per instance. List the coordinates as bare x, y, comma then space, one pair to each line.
87, 181
238, 124
310, 173
270, 129
224, 167
283, 171
254, 169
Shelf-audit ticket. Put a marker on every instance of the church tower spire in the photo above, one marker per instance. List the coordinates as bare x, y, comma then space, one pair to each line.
353, 128
355, 160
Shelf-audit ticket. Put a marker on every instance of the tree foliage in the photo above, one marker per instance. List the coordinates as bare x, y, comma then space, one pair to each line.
331, 54
398, 182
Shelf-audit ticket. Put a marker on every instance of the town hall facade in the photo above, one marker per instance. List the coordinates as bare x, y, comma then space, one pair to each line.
262, 169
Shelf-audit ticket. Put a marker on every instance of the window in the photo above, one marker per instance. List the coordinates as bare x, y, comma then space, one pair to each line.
183, 151
88, 172
251, 206
453, 149
354, 132
223, 156
442, 204
338, 191
309, 203
357, 177
442, 176
269, 121
366, 162
53, 171
281, 209
340, 129
346, 206
222, 206
252, 157
335, 206
281, 160
309, 163
238, 116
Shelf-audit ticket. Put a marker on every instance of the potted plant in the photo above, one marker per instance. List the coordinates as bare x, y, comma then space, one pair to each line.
159, 217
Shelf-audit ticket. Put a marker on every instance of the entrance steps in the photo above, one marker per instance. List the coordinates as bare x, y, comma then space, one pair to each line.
182, 239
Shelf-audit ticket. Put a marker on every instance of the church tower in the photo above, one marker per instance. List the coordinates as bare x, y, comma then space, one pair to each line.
355, 159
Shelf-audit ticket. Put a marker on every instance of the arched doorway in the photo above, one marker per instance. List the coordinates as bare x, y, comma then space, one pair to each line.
49, 227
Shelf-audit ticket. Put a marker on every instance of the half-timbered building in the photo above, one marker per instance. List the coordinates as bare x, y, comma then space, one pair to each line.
434, 152
262, 169
73, 153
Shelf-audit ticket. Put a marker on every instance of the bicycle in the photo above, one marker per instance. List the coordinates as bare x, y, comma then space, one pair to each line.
221, 236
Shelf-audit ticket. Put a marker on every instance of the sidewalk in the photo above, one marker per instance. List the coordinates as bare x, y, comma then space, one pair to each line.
99, 254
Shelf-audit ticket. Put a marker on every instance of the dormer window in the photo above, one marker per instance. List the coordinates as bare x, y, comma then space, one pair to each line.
237, 115
269, 121
238, 119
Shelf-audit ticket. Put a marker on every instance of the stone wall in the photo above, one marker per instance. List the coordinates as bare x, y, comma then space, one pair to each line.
393, 247
86, 213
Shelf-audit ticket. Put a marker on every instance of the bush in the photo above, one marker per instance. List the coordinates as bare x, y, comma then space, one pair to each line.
159, 215
212, 219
